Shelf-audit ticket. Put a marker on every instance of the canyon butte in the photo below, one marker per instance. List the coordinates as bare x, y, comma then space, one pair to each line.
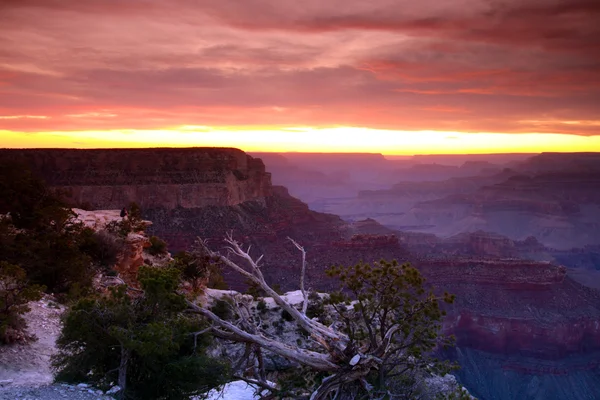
524, 328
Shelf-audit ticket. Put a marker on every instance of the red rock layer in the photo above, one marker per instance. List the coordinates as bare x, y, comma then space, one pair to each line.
169, 178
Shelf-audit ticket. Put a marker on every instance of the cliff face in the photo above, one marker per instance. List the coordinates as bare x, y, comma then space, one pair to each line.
523, 329
500, 273
169, 178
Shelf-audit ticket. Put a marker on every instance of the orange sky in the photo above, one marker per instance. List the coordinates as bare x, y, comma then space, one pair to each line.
396, 77
313, 140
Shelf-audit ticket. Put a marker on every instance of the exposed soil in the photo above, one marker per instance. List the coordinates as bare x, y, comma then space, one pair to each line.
29, 363
25, 371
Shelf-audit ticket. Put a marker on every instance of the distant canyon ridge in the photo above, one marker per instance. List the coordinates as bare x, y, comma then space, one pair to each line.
486, 229
554, 197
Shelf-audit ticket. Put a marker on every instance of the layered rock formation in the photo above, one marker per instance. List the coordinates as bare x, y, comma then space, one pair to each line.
170, 178
560, 210
524, 329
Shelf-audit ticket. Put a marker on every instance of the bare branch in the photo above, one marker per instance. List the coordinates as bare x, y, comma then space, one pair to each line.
196, 334
313, 359
314, 327
302, 274
348, 355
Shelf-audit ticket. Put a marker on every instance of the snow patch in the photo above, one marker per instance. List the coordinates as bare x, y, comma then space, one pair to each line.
236, 390
293, 298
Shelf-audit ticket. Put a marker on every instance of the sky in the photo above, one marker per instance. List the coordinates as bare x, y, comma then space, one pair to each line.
389, 76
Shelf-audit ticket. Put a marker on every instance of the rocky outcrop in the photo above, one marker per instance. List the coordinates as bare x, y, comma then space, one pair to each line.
133, 247
560, 162
479, 244
369, 242
169, 178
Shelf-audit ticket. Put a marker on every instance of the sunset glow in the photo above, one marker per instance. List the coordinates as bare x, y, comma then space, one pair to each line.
395, 77
341, 140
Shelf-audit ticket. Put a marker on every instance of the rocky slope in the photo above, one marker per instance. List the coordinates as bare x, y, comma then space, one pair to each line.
25, 370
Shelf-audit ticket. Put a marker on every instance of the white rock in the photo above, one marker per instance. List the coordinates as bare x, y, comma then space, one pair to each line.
113, 390
83, 386
355, 360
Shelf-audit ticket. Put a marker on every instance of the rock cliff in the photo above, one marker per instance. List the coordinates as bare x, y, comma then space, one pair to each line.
523, 329
169, 178
133, 247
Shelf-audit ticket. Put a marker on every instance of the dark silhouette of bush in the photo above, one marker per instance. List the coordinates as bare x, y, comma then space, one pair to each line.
103, 247
261, 306
30, 203
15, 293
40, 234
157, 246
199, 271
222, 309
286, 316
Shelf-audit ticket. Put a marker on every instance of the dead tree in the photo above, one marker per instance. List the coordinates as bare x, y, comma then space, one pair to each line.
371, 338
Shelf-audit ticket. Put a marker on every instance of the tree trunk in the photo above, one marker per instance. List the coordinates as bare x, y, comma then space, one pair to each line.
125, 354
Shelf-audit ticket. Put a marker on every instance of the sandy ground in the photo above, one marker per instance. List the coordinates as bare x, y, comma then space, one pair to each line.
25, 371
29, 364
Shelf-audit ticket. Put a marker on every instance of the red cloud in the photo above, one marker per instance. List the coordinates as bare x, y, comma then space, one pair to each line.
468, 65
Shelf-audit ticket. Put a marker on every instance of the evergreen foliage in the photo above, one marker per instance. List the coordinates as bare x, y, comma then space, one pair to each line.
157, 246
15, 293
387, 304
199, 270
144, 342
102, 246
38, 232
30, 203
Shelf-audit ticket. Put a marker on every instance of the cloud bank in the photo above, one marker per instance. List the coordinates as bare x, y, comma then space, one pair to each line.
467, 65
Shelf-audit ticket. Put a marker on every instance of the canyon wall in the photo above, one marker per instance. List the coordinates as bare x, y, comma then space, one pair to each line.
524, 330
527, 318
170, 178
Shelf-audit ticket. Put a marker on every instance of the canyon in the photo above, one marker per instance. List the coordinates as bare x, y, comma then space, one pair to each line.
524, 328
552, 196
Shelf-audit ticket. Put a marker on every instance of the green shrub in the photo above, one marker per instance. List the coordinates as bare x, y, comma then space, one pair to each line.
261, 306
157, 246
199, 270
286, 316
15, 293
222, 309
316, 307
103, 247
41, 234
145, 343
